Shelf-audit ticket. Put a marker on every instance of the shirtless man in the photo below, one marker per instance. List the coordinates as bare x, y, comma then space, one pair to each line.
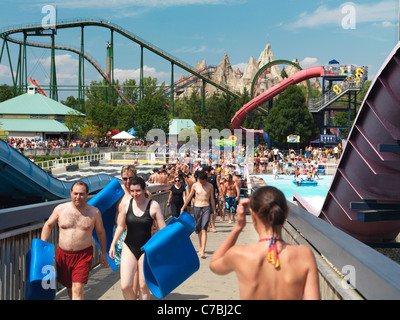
231, 195
154, 177
163, 177
204, 196
76, 220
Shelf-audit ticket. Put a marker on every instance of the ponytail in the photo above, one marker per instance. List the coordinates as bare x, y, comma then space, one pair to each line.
270, 205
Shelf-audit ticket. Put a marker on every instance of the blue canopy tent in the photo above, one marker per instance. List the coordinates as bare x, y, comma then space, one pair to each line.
132, 131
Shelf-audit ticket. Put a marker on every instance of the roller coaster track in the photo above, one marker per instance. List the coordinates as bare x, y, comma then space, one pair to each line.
88, 58
5, 34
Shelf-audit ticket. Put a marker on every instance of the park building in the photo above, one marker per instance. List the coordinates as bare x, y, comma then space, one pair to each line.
33, 115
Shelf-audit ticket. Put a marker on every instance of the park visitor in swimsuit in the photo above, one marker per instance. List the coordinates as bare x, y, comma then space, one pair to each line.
138, 229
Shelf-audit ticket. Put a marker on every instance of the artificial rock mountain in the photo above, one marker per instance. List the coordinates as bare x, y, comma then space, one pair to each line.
236, 80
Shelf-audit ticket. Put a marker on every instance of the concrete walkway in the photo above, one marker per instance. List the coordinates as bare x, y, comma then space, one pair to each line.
203, 285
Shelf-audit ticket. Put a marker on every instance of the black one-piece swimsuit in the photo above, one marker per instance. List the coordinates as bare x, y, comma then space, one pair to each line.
138, 230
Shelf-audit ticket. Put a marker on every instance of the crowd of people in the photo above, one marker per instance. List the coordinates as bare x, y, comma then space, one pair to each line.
205, 191
60, 143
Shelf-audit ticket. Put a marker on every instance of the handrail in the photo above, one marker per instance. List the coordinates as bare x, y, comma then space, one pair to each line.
331, 96
57, 163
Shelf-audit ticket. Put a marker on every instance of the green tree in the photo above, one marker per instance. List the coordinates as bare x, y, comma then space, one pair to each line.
131, 90
101, 114
6, 92
151, 112
74, 121
72, 102
124, 116
101, 91
189, 108
289, 116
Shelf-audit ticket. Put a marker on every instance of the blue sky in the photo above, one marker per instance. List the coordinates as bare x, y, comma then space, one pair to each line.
314, 32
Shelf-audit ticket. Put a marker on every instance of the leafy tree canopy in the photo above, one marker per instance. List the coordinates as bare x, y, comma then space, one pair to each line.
290, 116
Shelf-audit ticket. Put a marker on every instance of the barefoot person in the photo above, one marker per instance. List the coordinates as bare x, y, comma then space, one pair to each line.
128, 172
270, 268
232, 194
136, 215
76, 220
204, 197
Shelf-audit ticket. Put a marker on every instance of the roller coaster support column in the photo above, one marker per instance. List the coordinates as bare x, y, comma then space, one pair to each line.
24, 67
5, 44
81, 79
141, 75
171, 95
110, 69
18, 78
203, 99
53, 76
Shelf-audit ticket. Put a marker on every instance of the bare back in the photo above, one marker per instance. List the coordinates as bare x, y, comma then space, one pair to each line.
258, 279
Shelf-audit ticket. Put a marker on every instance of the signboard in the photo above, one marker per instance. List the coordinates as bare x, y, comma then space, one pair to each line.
293, 139
328, 138
4, 135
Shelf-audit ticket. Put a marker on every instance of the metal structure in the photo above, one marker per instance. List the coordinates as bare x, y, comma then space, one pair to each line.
363, 199
20, 79
266, 70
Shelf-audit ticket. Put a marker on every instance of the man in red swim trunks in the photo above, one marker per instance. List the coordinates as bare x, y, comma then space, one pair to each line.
76, 220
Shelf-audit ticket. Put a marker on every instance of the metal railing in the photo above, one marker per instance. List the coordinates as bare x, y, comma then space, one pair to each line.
332, 95
16, 240
64, 162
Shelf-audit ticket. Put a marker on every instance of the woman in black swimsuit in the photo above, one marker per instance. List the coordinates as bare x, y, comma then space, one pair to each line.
137, 217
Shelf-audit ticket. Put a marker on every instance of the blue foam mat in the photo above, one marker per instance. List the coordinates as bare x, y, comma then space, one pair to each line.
105, 201
40, 273
170, 257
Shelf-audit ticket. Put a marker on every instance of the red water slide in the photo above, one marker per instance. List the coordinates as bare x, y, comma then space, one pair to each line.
35, 83
299, 76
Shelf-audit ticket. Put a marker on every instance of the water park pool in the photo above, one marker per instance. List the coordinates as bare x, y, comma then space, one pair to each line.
314, 195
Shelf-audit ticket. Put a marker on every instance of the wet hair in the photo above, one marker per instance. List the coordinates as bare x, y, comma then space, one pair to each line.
270, 205
129, 168
138, 181
80, 183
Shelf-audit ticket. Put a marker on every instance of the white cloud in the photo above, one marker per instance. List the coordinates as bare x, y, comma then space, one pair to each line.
384, 11
308, 62
386, 24
124, 74
191, 49
241, 66
4, 71
66, 68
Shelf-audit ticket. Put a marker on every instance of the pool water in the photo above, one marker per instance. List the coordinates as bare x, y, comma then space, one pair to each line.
314, 195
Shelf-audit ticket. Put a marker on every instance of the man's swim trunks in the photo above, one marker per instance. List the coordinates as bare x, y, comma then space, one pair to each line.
201, 218
230, 204
73, 266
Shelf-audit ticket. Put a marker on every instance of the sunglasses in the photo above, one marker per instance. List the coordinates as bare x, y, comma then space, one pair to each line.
177, 180
130, 178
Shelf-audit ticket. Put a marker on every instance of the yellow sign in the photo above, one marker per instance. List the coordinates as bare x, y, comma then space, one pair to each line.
293, 139
3, 135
